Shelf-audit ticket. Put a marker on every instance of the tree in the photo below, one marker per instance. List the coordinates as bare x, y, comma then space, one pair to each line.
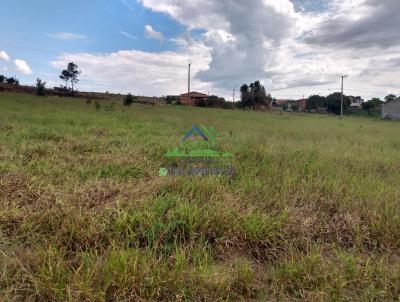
2, 79
315, 102
74, 72
65, 77
254, 96
12, 81
333, 102
70, 74
129, 99
372, 105
40, 87
244, 95
390, 97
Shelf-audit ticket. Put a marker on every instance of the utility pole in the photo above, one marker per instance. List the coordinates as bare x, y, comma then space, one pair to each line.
189, 83
234, 95
341, 98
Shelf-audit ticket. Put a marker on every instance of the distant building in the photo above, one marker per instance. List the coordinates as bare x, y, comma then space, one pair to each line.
301, 104
356, 101
391, 110
193, 99
292, 105
282, 102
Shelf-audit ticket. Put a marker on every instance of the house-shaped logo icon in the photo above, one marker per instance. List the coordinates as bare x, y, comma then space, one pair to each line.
198, 154
199, 142
206, 134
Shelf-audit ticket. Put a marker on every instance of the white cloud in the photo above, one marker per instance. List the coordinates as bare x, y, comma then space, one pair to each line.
150, 33
22, 67
294, 47
128, 35
67, 36
4, 56
236, 32
139, 72
272, 40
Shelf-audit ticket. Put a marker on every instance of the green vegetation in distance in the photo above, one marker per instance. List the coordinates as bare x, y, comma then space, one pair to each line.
311, 215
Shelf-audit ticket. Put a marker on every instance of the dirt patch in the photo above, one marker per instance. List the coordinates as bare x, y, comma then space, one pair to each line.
99, 194
76, 146
6, 127
16, 190
12, 185
98, 131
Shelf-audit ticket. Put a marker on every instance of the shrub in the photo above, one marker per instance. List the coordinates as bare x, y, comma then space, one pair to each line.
295, 107
110, 106
230, 105
129, 99
171, 99
215, 101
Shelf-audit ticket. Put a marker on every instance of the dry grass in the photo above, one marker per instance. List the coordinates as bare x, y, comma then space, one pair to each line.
312, 213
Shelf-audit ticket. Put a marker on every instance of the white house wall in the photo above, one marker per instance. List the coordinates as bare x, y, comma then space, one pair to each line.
391, 110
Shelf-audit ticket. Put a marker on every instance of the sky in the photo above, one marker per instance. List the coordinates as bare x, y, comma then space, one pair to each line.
295, 48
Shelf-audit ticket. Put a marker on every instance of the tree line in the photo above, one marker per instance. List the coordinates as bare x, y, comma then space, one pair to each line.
332, 103
10, 81
69, 75
252, 96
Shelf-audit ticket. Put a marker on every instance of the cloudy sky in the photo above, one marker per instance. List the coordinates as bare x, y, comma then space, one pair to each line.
295, 47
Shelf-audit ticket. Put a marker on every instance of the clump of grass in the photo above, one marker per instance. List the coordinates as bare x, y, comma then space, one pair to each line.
97, 105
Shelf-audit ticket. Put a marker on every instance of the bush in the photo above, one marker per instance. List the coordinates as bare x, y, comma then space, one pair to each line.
295, 107
230, 105
215, 102
110, 106
177, 102
129, 99
171, 99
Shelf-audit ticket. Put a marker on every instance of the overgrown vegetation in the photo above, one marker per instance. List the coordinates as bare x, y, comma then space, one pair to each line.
129, 99
10, 80
312, 213
41, 87
254, 96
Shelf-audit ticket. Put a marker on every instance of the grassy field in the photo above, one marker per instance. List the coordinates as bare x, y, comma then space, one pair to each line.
312, 214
